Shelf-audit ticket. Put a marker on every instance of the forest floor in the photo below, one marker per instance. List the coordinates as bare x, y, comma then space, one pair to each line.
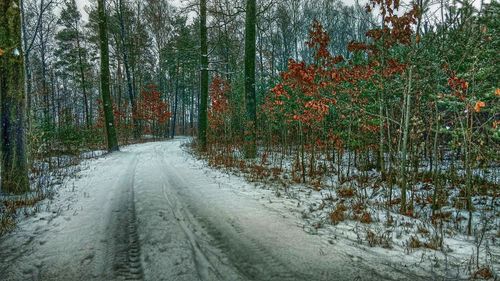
154, 212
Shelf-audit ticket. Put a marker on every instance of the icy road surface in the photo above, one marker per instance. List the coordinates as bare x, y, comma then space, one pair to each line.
152, 212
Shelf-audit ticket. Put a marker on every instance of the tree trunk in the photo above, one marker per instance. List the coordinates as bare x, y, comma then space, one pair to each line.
106, 96
406, 128
251, 112
176, 101
88, 120
14, 169
27, 72
203, 114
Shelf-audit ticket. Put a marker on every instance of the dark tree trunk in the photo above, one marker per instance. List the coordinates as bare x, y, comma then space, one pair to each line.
88, 119
251, 112
203, 114
105, 90
176, 102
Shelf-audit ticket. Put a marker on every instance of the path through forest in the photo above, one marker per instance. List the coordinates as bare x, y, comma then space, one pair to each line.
152, 212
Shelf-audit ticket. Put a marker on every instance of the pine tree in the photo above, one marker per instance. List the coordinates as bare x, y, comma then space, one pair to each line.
72, 54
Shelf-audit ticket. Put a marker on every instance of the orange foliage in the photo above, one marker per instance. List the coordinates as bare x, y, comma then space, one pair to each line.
151, 109
478, 106
219, 93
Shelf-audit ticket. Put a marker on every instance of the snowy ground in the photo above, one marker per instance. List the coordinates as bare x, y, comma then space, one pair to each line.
153, 212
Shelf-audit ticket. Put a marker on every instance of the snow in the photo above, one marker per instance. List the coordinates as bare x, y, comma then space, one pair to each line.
154, 212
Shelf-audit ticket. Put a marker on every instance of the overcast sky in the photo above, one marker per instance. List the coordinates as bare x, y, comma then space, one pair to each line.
178, 3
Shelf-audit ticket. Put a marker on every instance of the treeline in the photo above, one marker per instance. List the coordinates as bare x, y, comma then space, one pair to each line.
154, 67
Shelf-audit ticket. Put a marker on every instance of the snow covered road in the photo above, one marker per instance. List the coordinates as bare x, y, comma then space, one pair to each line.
152, 212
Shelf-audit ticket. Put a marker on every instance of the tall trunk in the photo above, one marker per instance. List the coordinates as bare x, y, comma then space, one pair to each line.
191, 114
27, 72
119, 85
435, 171
251, 111
105, 90
468, 167
14, 169
88, 119
45, 94
183, 110
53, 97
381, 156
176, 98
406, 128
203, 113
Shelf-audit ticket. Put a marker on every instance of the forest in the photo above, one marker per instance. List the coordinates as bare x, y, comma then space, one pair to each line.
376, 121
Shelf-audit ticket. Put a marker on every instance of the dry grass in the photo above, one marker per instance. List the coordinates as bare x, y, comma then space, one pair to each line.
414, 243
9, 207
365, 217
338, 214
7, 223
378, 239
433, 243
483, 273
346, 192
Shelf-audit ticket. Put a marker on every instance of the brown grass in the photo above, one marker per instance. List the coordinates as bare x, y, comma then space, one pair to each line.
346, 192
375, 239
338, 214
483, 273
365, 217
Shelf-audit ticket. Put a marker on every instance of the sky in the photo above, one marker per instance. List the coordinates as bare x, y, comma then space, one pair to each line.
178, 3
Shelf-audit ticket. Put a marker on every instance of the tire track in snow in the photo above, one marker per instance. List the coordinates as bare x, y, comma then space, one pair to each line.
205, 268
251, 258
124, 254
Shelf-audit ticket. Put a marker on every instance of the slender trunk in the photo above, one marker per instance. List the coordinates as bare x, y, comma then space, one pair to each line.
88, 121
191, 113
183, 110
468, 168
174, 121
406, 127
45, 94
381, 156
203, 117
435, 171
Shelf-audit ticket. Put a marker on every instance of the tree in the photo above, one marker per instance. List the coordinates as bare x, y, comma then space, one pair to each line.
152, 111
105, 90
203, 113
14, 170
126, 64
72, 55
250, 98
